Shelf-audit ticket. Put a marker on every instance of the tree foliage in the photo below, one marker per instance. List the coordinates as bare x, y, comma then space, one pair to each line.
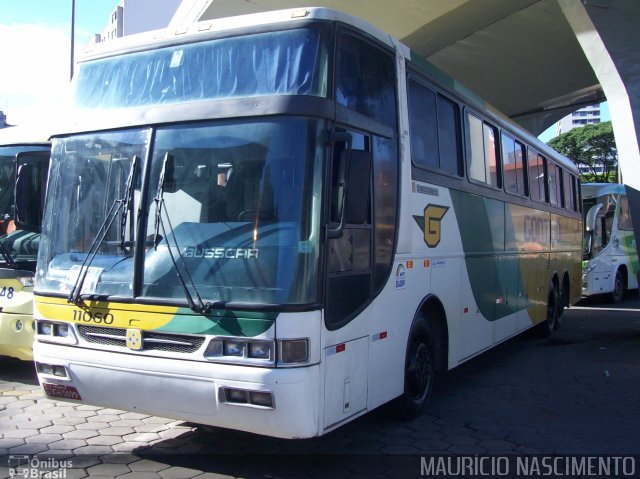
592, 146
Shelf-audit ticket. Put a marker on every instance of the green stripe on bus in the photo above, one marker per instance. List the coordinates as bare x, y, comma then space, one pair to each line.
224, 323
495, 277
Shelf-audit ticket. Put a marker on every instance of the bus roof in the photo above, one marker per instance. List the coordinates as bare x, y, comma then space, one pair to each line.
593, 190
205, 30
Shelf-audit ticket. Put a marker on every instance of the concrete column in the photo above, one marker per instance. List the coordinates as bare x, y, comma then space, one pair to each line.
609, 35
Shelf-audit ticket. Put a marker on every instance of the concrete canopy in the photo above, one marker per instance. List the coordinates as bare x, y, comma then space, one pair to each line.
534, 60
521, 55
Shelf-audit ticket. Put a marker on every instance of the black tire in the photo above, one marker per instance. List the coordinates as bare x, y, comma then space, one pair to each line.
419, 371
551, 323
619, 286
563, 302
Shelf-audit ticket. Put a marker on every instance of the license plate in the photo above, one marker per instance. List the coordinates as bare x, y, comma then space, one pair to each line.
61, 391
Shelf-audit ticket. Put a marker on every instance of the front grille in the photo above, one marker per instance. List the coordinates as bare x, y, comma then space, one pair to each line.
175, 343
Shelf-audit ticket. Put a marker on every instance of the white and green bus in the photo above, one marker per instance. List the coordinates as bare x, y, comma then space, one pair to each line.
610, 265
275, 223
24, 161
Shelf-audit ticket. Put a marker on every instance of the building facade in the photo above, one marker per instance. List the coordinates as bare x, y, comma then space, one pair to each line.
137, 16
588, 115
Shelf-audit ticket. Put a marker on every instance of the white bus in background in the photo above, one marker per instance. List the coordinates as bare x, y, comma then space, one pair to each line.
278, 222
610, 264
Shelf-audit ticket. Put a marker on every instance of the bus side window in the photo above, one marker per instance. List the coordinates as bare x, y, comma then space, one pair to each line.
365, 80
555, 185
624, 216
537, 183
569, 191
513, 158
435, 130
482, 152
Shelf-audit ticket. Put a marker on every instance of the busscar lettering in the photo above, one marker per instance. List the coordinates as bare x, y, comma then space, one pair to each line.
219, 253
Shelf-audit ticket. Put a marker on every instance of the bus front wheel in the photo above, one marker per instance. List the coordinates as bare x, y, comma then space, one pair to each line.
619, 286
419, 371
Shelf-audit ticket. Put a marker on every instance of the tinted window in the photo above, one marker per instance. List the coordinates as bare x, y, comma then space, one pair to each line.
536, 164
624, 218
423, 125
512, 157
435, 131
555, 185
366, 79
449, 136
482, 152
569, 192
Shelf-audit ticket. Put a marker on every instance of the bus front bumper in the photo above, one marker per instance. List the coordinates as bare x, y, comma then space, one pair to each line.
192, 391
16, 335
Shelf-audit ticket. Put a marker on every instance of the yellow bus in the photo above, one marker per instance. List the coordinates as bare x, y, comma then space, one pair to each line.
24, 159
275, 223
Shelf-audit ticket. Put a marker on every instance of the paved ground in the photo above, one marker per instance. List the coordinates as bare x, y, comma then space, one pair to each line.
577, 393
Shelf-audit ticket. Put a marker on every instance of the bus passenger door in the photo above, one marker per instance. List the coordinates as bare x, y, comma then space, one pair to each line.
348, 281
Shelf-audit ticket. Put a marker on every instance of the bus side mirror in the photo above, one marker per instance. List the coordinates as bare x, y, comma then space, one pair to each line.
592, 215
31, 175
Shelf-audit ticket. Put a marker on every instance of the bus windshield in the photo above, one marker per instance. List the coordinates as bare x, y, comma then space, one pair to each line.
226, 211
595, 240
18, 245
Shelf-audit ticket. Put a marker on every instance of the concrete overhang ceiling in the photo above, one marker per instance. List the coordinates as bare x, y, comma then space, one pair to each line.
519, 55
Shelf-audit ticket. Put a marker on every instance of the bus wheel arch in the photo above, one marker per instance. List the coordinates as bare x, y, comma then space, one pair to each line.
426, 355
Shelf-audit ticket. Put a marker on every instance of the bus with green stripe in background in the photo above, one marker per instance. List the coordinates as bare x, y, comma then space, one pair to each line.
24, 161
275, 223
610, 266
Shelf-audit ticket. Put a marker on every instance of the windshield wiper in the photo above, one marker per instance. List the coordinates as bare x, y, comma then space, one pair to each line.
118, 203
201, 307
6, 254
127, 200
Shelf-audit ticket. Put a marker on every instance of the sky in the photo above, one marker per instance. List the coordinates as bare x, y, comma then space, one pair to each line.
35, 51
550, 132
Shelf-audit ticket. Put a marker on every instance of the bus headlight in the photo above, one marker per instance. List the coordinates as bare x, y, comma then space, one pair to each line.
588, 268
260, 350
233, 348
241, 350
52, 332
291, 352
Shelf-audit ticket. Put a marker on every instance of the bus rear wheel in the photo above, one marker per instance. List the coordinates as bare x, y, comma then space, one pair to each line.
552, 321
419, 371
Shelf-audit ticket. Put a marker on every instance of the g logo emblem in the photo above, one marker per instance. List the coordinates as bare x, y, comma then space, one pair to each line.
134, 339
431, 223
